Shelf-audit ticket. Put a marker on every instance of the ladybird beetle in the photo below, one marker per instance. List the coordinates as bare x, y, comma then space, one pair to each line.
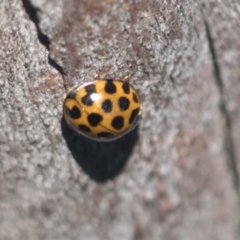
104, 109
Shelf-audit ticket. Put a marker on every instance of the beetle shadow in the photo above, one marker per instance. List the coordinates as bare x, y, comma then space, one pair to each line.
101, 161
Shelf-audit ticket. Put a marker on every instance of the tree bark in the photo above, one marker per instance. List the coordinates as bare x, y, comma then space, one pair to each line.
176, 176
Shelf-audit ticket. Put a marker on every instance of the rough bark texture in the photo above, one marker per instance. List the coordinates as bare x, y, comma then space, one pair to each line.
178, 177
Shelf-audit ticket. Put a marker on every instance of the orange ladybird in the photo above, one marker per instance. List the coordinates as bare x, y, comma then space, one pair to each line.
104, 109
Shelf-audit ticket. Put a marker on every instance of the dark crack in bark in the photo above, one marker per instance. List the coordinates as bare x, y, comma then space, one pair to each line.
227, 128
226, 121
43, 38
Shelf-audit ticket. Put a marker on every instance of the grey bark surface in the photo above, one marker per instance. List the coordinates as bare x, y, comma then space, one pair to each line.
181, 180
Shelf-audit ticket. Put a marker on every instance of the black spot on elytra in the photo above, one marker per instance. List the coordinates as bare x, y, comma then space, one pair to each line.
104, 134
71, 95
94, 119
90, 88
123, 103
135, 98
107, 105
86, 100
126, 87
84, 128
74, 113
133, 115
110, 87
118, 122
